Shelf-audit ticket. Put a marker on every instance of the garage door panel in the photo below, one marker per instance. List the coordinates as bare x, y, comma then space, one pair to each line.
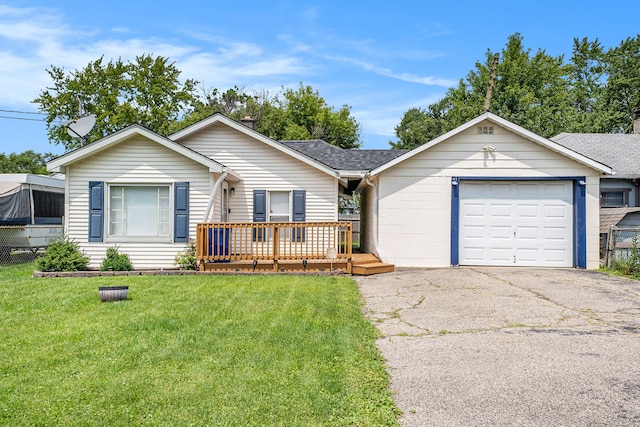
500, 232
474, 231
500, 255
516, 223
555, 255
527, 233
555, 234
555, 211
500, 210
475, 209
527, 211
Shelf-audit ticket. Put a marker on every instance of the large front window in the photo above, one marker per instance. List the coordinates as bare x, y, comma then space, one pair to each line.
139, 211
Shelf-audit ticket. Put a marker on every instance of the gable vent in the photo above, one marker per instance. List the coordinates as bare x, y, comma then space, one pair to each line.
485, 130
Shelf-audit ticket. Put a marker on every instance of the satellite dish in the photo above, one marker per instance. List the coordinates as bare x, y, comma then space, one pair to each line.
79, 128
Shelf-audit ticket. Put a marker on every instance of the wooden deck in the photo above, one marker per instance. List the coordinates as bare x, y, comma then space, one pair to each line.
282, 247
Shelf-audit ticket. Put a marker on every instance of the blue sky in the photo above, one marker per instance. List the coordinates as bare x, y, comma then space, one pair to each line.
381, 58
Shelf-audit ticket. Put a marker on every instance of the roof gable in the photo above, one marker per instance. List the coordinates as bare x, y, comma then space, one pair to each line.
60, 163
518, 130
220, 118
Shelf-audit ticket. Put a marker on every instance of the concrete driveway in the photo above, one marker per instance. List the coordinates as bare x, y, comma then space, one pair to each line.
509, 346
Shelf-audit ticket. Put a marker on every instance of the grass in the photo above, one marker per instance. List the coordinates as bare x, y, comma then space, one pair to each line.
189, 350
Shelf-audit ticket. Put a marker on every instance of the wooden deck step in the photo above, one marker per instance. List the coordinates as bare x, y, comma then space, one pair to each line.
372, 268
366, 264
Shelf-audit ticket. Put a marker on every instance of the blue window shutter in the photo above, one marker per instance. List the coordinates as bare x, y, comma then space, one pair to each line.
259, 205
259, 212
181, 212
96, 211
299, 213
299, 205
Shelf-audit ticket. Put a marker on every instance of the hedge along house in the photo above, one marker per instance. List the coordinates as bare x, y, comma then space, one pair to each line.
486, 193
146, 193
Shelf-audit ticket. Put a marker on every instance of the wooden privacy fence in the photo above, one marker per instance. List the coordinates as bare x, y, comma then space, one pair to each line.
273, 242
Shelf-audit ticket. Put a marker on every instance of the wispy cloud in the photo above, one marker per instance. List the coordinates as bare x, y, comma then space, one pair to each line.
34, 40
406, 77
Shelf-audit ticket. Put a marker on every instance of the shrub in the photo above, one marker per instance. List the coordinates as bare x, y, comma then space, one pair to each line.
629, 265
63, 254
116, 261
186, 258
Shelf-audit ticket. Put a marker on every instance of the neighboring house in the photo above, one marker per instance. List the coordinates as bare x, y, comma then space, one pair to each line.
619, 192
486, 193
146, 193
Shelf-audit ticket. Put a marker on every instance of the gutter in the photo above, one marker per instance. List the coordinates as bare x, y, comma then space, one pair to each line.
374, 225
208, 214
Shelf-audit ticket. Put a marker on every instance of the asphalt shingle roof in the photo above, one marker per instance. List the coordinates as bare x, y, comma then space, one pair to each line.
343, 159
621, 152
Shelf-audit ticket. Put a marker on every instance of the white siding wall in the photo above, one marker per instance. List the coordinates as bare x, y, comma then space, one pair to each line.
264, 168
136, 160
415, 195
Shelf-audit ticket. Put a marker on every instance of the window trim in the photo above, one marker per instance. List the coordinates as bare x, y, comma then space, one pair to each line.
289, 202
625, 196
113, 238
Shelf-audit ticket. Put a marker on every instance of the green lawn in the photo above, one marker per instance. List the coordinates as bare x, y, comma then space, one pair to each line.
188, 350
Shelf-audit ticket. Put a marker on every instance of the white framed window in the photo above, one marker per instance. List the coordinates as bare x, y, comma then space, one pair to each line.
279, 206
139, 211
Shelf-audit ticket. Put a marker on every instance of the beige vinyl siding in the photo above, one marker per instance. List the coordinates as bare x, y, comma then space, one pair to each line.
134, 161
415, 195
264, 168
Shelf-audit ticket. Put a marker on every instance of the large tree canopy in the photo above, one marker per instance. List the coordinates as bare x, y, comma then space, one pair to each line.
596, 91
146, 91
289, 115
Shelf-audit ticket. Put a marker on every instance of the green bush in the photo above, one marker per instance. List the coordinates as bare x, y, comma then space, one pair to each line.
63, 255
629, 266
186, 258
116, 261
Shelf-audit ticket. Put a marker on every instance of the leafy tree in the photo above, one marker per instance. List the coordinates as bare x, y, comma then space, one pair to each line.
586, 72
146, 91
27, 162
621, 97
419, 126
291, 114
596, 91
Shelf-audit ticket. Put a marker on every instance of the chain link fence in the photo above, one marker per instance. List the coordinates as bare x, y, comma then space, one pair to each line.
21, 244
620, 242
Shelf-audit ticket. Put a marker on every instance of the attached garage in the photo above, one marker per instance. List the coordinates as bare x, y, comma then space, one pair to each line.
516, 223
488, 193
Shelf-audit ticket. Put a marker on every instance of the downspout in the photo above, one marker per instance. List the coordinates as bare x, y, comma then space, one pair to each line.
208, 214
374, 225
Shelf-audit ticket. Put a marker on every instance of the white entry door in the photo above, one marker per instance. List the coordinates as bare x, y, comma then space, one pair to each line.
516, 223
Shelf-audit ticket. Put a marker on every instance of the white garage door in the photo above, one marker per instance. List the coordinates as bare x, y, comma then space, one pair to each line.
516, 223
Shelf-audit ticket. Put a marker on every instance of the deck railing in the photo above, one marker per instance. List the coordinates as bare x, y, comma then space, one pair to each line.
273, 241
